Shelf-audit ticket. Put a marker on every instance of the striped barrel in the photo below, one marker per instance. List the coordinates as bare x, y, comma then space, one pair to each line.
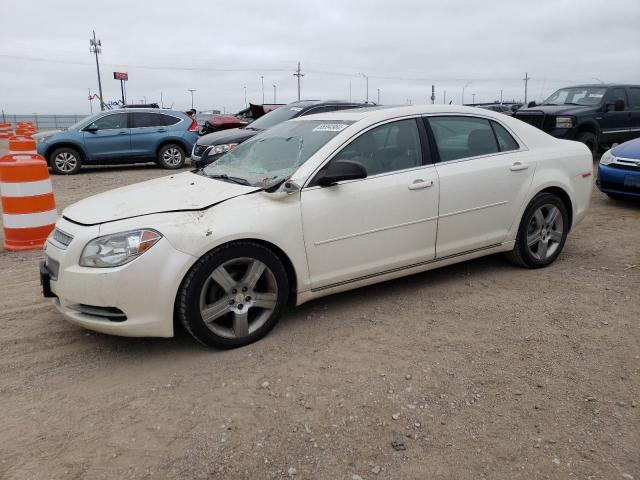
19, 144
5, 130
28, 205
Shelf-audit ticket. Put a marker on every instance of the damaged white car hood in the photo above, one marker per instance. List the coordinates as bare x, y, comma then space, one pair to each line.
180, 192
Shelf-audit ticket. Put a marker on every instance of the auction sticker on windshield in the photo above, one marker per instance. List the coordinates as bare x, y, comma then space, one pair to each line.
330, 127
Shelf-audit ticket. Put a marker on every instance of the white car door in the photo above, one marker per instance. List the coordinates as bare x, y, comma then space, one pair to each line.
386, 221
484, 175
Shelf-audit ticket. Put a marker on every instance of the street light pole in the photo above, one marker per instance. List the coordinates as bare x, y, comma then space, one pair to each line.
378, 96
473, 98
245, 95
367, 83
465, 86
274, 93
262, 82
192, 91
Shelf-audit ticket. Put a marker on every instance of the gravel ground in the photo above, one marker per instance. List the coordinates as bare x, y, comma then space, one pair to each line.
478, 370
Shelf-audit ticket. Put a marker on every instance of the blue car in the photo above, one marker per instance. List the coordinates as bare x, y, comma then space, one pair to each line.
119, 137
619, 171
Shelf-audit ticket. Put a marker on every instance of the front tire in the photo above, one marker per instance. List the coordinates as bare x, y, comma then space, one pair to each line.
65, 161
233, 296
171, 156
542, 232
590, 140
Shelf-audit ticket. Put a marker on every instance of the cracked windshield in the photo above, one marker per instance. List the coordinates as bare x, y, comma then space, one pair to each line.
270, 157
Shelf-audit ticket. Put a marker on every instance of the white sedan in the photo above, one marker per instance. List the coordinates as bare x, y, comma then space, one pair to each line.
314, 206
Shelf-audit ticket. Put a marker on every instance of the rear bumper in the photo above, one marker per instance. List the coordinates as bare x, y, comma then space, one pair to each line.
612, 180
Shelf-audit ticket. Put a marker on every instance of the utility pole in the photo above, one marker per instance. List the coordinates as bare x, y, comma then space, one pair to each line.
465, 86
500, 96
444, 97
95, 47
473, 98
367, 82
298, 74
526, 82
192, 91
90, 102
378, 96
245, 95
274, 93
262, 82
433, 94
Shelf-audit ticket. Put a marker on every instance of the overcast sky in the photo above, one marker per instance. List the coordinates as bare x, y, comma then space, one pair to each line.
217, 48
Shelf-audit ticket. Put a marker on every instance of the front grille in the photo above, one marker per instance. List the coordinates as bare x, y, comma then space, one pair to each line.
199, 150
63, 238
112, 314
624, 166
535, 119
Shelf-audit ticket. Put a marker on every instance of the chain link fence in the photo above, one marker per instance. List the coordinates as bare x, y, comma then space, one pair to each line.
42, 122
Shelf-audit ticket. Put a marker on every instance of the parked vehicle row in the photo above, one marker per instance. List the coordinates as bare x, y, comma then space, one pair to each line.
596, 115
120, 136
211, 147
314, 205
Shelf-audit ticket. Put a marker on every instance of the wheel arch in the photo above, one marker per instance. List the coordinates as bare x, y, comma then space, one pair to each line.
75, 146
178, 141
588, 126
276, 250
562, 194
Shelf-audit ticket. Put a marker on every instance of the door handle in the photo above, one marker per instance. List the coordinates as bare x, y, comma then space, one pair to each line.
123, 133
420, 184
517, 166
162, 130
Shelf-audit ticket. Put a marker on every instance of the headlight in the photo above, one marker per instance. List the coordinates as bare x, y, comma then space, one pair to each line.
118, 249
607, 158
564, 122
41, 139
224, 148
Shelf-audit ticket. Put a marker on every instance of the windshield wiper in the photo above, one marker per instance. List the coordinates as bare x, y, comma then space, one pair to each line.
227, 178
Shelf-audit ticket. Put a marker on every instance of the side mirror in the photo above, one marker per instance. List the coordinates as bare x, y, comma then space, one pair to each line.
531, 104
341, 170
91, 128
618, 105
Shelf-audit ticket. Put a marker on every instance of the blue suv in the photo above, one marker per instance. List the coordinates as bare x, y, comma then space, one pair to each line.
619, 171
118, 137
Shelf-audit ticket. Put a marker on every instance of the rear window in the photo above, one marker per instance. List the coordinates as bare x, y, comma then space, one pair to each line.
168, 120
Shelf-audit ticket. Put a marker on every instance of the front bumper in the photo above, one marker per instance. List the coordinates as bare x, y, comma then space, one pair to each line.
619, 180
134, 300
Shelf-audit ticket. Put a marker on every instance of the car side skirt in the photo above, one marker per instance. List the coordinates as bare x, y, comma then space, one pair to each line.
402, 272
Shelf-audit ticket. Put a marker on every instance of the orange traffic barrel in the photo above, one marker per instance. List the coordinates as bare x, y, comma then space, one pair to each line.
28, 206
22, 144
5, 130
25, 132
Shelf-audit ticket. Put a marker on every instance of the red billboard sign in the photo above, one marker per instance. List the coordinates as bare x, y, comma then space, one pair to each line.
120, 76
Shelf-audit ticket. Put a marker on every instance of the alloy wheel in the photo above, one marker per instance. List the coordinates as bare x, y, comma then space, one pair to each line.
544, 233
65, 161
172, 156
238, 297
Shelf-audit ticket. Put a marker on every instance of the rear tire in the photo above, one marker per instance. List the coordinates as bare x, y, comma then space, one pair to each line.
590, 140
233, 296
65, 161
171, 156
542, 232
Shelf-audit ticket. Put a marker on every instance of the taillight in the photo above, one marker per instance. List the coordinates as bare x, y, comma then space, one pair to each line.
194, 126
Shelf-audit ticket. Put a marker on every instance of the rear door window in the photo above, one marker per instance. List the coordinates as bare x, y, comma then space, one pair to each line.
634, 98
145, 119
462, 137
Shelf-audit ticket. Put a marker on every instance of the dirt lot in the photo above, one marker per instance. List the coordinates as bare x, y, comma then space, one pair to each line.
482, 370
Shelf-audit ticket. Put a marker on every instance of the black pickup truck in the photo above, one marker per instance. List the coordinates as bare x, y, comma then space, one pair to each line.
596, 115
